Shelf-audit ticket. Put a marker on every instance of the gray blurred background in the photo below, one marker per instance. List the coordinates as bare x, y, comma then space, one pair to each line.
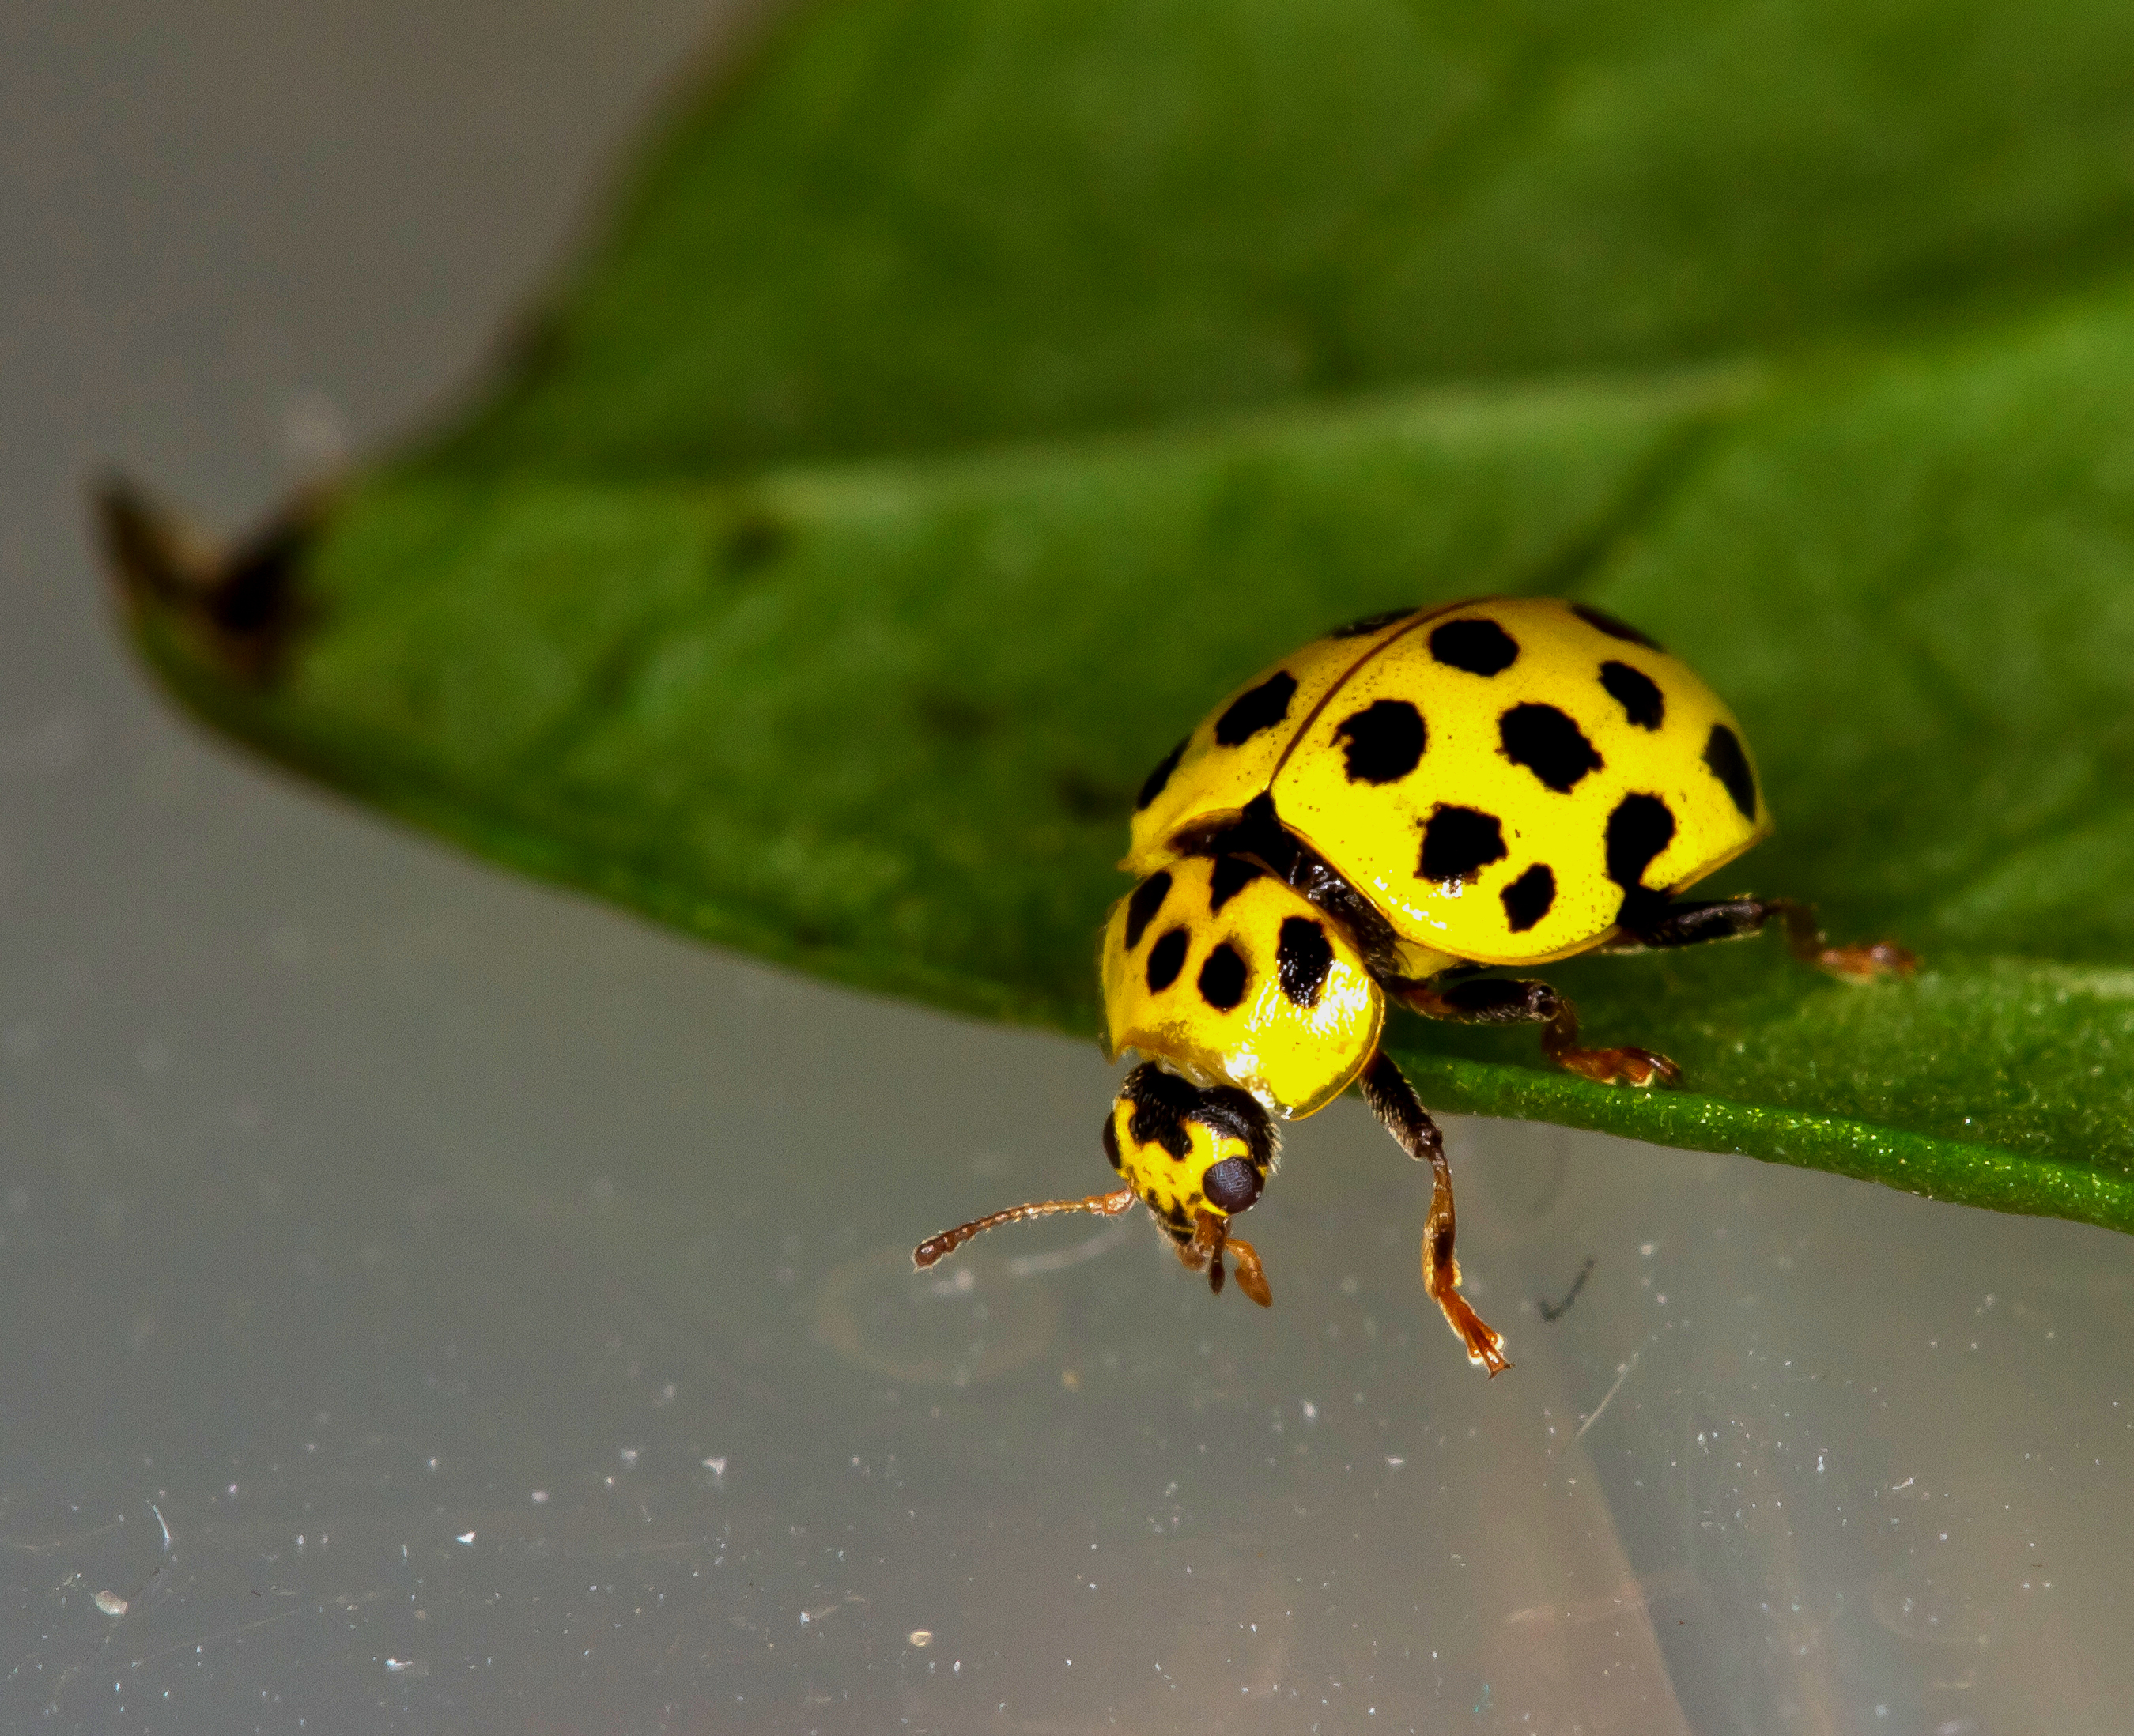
435, 1303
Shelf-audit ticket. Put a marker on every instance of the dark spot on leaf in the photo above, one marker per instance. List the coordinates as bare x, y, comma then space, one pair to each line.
1223, 978
533, 342
1459, 842
1166, 958
1638, 830
1152, 785
1231, 875
1258, 708
1607, 623
1231, 1185
1636, 693
1384, 740
1303, 959
1730, 765
1086, 798
1548, 744
1480, 647
1528, 898
754, 541
1147, 899
956, 715
1371, 624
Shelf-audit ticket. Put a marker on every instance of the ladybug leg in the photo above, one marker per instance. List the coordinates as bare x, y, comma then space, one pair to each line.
1499, 1000
1688, 924
1393, 1100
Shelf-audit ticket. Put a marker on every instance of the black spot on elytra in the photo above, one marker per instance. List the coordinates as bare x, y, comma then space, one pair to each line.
1480, 647
1231, 1185
1458, 843
1636, 693
1223, 978
1730, 765
1528, 898
1384, 741
1112, 1140
1166, 958
1638, 830
1147, 899
1256, 709
1232, 876
1152, 785
1607, 623
1303, 959
1371, 624
1548, 744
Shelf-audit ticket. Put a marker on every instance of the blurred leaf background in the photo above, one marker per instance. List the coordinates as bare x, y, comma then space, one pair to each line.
967, 393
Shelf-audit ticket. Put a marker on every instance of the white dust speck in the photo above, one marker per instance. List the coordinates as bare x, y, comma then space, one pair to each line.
921, 1637
110, 1603
466, 1537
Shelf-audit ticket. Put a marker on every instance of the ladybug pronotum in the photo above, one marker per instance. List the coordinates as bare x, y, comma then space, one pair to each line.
1413, 799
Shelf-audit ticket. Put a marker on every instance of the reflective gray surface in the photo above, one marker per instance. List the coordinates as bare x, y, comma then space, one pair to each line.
434, 1303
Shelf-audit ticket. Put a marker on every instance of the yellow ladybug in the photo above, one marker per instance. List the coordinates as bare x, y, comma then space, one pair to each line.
1416, 796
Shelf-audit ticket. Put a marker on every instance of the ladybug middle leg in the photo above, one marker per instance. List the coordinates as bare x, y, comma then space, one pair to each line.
1499, 1000
1685, 922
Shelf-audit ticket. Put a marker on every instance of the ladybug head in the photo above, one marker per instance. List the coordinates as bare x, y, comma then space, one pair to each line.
1187, 1150
1196, 1156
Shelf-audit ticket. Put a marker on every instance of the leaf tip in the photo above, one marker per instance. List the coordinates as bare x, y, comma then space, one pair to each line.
240, 605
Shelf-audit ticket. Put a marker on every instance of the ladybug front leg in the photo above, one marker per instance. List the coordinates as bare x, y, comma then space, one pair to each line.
1689, 924
1393, 1100
1498, 1000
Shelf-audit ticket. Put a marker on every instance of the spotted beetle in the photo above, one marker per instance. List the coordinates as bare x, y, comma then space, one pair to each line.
1413, 798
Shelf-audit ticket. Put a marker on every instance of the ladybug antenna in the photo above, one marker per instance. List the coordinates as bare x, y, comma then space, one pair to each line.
938, 1247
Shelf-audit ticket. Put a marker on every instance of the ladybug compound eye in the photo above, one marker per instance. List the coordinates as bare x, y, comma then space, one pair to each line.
1231, 1185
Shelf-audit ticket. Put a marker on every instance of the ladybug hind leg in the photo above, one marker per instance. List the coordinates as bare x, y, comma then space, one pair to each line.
1686, 924
1499, 1000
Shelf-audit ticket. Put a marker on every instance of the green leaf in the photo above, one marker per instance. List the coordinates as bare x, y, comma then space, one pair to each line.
977, 389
